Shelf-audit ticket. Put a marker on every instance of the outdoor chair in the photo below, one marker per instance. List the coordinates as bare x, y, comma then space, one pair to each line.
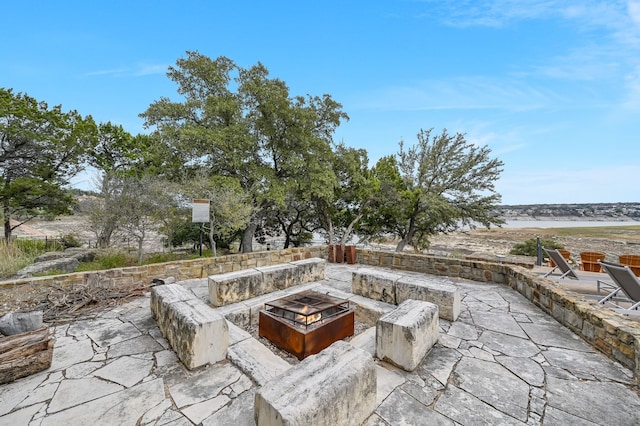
628, 284
565, 253
632, 261
560, 263
567, 271
589, 261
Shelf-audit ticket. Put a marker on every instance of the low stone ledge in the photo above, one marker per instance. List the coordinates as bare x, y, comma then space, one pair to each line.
369, 311
236, 334
375, 284
446, 296
197, 333
335, 387
256, 361
405, 335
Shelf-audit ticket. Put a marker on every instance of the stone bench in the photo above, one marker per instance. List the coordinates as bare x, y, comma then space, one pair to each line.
237, 286
197, 333
446, 296
375, 284
395, 288
233, 287
335, 387
405, 335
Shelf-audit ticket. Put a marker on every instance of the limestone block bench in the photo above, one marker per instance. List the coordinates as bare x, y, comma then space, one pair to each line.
375, 284
446, 296
394, 288
335, 387
197, 333
405, 335
237, 286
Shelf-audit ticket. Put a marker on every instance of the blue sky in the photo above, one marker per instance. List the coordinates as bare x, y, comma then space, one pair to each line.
551, 87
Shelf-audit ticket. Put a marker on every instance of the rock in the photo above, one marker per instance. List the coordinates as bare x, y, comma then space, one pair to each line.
20, 322
65, 265
82, 254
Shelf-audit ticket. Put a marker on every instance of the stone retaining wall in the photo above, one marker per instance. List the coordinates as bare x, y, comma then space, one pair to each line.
29, 292
615, 335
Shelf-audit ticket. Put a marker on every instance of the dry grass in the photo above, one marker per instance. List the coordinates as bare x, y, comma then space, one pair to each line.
18, 254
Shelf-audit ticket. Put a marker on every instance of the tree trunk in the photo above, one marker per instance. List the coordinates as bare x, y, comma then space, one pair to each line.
211, 240
330, 233
408, 238
140, 252
7, 229
347, 232
247, 237
24, 354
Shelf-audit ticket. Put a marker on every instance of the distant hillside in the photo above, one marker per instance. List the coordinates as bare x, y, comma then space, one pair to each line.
603, 211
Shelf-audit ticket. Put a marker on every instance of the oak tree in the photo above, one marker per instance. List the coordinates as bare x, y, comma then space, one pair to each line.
445, 183
41, 148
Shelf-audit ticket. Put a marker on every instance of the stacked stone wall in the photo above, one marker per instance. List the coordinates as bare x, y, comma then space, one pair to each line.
28, 293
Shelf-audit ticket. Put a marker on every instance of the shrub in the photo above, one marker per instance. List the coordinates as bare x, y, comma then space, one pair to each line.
530, 247
69, 241
107, 260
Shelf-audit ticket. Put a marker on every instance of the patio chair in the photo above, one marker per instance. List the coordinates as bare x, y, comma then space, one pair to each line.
589, 261
628, 284
632, 261
560, 263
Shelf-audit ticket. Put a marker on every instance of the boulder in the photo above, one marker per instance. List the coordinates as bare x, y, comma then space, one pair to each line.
65, 265
20, 322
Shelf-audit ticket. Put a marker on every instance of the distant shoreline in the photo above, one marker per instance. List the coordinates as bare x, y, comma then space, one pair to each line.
566, 222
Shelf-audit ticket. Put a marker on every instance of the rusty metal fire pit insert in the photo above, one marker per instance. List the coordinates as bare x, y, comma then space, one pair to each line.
305, 323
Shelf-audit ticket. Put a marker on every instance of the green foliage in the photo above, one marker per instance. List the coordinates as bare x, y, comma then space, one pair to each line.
240, 124
70, 241
530, 247
42, 148
107, 260
436, 186
185, 232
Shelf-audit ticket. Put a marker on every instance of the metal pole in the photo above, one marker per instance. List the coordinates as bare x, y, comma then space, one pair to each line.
201, 225
539, 247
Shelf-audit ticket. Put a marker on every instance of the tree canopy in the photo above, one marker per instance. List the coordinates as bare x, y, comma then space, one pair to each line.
241, 124
41, 148
440, 184
265, 158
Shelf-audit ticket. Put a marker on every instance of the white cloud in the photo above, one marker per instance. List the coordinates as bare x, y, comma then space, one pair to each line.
151, 69
114, 71
465, 93
137, 70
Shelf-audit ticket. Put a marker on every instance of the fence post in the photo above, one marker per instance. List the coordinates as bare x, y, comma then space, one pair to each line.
539, 247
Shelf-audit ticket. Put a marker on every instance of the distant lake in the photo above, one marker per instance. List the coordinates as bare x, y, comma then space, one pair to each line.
565, 223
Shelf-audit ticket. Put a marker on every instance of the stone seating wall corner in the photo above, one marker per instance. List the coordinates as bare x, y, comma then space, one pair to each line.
405, 335
196, 332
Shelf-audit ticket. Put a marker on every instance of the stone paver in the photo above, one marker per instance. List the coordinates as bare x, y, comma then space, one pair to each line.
503, 362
